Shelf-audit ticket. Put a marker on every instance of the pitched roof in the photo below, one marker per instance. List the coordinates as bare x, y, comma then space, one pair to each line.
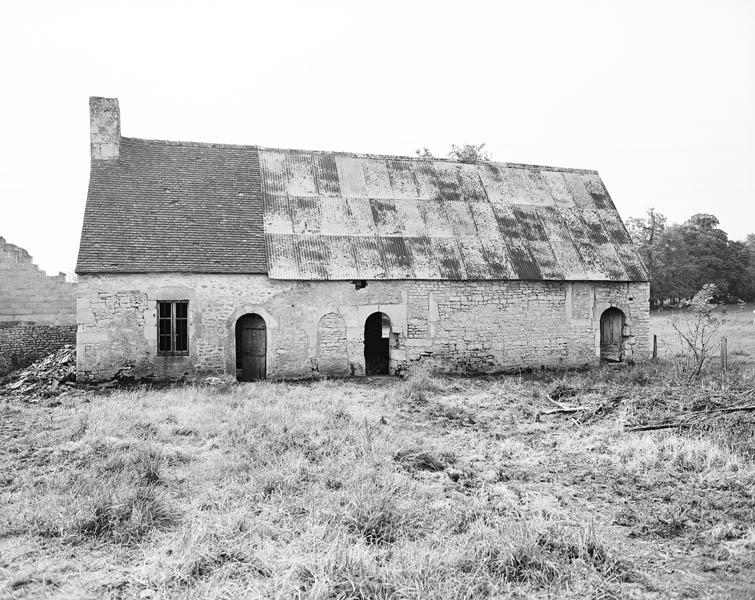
347, 216
176, 207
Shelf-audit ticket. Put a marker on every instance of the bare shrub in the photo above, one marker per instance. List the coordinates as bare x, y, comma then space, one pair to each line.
697, 329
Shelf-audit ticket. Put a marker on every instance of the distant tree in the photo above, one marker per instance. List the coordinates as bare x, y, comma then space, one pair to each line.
682, 258
647, 234
748, 292
424, 152
469, 153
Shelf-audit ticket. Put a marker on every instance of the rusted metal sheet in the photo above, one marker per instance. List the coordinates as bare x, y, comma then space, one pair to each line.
424, 262
401, 176
447, 254
342, 263
632, 263
557, 189
369, 257
377, 179
448, 180
300, 173
351, 177
428, 185
305, 213
398, 261
473, 257
326, 175
470, 183
336, 216
386, 217
578, 191
276, 214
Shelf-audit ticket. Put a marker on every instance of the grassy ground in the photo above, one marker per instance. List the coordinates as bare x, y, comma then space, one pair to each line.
738, 329
426, 488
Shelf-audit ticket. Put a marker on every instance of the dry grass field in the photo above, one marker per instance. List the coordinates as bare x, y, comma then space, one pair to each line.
377, 489
738, 328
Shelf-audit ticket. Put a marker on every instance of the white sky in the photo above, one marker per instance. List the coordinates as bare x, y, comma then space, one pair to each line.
657, 96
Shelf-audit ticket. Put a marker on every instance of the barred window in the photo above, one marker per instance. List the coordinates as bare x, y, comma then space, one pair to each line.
173, 327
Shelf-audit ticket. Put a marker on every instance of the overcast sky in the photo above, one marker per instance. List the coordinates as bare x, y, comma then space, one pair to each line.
659, 97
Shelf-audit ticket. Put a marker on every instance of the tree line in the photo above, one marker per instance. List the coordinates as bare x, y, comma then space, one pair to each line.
683, 257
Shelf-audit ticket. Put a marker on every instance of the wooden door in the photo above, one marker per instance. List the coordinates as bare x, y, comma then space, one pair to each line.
611, 326
251, 347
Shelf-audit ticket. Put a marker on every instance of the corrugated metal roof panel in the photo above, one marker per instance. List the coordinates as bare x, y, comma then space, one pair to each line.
306, 215
386, 216
314, 256
398, 260
449, 180
300, 173
402, 180
473, 257
424, 263
369, 257
277, 215
435, 218
326, 174
351, 177
557, 188
428, 186
449, 260
377, 179
374, 217
470, 183
343, 262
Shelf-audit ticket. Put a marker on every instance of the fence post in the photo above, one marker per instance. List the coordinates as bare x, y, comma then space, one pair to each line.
724, 355
655, 347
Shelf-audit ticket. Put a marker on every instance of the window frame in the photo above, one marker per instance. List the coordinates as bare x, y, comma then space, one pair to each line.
173, 329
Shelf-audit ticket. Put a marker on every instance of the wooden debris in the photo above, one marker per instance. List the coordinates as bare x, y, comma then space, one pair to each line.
44, 377
692, 418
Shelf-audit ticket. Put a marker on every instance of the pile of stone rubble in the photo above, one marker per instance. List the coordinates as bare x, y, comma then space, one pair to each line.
46, 377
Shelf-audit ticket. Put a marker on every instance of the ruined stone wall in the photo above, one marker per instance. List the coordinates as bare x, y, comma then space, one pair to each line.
37, 312
481, 326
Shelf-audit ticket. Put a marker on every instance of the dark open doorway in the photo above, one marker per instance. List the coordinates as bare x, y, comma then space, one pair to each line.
377, 334
251, 347
611, 331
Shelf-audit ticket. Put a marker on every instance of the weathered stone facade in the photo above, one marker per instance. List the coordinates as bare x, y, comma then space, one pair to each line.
37, 311
317, 327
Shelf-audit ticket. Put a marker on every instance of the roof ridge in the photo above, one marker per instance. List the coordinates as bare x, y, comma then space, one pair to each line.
420, 159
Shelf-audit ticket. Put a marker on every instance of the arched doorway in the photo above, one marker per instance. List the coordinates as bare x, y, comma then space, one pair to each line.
611, 328
377, 334
251, 347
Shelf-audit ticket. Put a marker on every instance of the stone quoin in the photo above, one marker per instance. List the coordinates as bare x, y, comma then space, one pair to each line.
205, 259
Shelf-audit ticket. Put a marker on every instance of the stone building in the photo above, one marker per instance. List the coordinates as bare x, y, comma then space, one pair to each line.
37, 311
259, 262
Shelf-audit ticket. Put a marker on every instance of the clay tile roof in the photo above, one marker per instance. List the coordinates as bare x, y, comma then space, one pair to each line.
294, 214
174, 207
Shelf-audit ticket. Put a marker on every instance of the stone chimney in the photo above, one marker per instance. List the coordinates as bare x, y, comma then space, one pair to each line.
104, 128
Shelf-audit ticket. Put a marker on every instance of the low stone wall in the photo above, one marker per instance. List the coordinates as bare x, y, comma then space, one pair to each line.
22, 342
318, 327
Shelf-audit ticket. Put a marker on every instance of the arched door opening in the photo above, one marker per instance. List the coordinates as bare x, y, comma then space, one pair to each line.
251, 348
377, 335
611, 330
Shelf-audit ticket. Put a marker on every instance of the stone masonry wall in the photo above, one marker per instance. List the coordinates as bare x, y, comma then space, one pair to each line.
481, 326
37, 311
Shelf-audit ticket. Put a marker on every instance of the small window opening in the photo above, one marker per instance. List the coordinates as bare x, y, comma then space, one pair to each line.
173, 327
359, 284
